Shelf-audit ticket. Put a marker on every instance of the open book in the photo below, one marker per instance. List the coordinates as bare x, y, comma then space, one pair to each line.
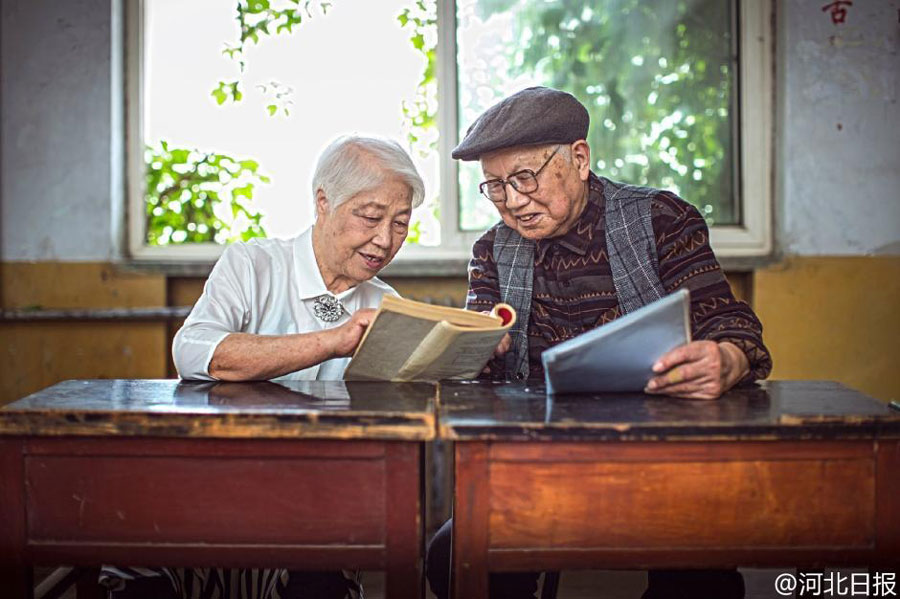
619, 356
413, 341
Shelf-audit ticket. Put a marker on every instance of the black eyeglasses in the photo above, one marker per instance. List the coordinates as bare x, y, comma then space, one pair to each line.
523, 181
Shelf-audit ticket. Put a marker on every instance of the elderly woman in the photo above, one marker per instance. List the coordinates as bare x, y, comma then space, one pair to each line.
294, 309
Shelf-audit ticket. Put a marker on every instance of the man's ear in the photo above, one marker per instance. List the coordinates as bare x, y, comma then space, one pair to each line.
581, 158
323, 208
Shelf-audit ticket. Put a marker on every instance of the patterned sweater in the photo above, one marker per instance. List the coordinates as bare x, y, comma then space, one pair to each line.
573, 285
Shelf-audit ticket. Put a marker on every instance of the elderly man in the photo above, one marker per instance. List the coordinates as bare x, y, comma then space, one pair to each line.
295, 310
574, 251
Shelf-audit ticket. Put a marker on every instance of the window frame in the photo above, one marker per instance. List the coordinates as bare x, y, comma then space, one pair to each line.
752, 239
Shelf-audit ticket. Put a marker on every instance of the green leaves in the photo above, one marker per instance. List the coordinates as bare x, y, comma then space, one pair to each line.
195, 197
279, 97
421, 113
257, 6
258, 19
657, 78
227, 90
232, 52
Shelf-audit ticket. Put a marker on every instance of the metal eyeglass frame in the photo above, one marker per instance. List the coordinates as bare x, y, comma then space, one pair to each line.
511, 180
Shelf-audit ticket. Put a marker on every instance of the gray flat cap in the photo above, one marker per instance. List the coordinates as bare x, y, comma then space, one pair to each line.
537, 115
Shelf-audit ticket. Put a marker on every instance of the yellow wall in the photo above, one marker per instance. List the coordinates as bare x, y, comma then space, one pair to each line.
833, 318
824, 318
38, 354
77, 285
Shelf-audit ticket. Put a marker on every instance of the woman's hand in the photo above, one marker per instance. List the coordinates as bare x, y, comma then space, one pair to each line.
248, 357
699, 370
344, 339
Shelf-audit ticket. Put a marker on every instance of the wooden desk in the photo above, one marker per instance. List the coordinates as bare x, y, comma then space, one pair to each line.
311, 475
791, 474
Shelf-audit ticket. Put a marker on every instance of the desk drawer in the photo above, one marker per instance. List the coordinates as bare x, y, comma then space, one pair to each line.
689, 500
288, 500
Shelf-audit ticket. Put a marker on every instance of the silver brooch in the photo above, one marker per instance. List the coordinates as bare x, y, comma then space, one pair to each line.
328, 308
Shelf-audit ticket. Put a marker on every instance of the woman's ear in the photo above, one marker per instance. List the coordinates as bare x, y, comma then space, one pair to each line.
323, 208
581, 158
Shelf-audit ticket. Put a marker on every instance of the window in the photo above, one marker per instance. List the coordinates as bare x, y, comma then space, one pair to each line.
678, 94
231, 102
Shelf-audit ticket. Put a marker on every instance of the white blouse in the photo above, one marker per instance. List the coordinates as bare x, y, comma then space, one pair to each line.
266, 287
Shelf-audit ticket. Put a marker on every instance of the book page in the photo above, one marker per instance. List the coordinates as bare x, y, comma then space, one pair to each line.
461, 356
404, 343
430, 349
387, 346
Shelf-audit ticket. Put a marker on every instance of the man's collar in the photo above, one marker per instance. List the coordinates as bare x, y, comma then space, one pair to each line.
578, 238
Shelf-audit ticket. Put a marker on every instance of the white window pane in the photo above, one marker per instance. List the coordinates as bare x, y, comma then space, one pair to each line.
346, 71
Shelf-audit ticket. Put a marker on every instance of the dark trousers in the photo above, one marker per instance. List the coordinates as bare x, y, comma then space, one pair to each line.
694, 584
661, 584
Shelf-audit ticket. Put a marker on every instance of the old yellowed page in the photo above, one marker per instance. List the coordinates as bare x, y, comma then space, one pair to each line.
387, 347
450, 353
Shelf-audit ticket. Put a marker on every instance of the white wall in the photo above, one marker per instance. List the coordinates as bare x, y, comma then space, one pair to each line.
838, 148
56, 130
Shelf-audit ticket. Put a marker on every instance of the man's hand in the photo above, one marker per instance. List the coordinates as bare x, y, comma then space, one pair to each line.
503, 346
501, 349
344, 339
699, 370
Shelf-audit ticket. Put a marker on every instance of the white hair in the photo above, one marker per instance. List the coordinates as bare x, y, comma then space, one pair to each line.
352, 164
